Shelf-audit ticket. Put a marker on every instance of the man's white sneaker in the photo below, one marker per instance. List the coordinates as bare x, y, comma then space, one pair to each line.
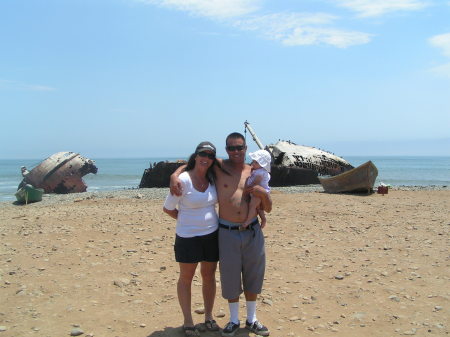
230, 329
257, 328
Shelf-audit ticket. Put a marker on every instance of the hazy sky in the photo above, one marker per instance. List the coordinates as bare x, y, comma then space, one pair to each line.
130, 78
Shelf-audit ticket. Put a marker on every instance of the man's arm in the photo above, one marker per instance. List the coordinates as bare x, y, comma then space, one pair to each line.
260, 192
175, 183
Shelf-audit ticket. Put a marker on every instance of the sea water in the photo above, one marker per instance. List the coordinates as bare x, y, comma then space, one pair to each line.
408, 171
126, 173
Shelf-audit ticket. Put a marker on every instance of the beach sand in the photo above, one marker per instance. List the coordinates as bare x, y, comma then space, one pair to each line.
337, 265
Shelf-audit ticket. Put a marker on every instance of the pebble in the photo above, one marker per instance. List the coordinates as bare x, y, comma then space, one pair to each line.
394, 298
122, 282
410, 332
76, 332
267, 301
3, 328
339, 277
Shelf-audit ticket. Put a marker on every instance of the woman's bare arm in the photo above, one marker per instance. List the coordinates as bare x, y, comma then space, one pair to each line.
173, 213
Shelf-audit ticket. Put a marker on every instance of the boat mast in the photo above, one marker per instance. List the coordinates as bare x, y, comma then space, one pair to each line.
254, 136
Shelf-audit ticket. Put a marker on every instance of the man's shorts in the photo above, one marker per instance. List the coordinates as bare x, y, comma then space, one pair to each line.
241, 252
197, 248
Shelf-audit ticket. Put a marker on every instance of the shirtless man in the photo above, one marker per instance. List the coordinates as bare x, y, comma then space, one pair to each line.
241, 252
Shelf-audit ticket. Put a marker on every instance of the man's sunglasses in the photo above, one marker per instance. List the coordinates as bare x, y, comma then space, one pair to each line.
205, 154
232, 148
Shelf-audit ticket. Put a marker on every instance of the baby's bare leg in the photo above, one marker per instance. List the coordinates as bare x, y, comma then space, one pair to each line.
262, 215
253, 206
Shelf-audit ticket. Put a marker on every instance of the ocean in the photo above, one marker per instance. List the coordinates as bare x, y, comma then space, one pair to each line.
126, 173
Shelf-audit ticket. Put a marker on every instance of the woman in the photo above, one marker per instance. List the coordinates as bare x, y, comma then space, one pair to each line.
196, 233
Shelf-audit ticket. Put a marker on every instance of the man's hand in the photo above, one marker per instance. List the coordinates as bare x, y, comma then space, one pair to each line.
175, 182
175, 185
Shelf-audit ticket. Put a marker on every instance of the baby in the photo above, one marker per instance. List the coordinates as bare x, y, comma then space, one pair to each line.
260, 176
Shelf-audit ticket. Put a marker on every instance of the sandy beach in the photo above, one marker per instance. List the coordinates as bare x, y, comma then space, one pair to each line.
337, 265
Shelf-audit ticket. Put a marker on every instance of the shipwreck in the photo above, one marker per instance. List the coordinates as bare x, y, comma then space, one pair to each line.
292, 164
60, 173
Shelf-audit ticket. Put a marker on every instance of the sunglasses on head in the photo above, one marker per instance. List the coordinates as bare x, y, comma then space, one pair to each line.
206, 154
235, 148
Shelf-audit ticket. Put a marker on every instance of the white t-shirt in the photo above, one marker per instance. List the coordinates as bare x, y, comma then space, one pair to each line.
196, 210
260, 173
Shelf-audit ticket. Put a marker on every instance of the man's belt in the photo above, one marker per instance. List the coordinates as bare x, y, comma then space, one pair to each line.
240, 228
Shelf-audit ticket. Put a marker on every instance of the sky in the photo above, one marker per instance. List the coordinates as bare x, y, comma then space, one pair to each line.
153, 78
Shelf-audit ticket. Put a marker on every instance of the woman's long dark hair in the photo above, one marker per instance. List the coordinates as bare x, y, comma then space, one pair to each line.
210, 174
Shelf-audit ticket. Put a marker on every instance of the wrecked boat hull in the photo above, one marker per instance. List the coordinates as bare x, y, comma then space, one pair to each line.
158, 175
291, 176
28, 194
289, 154
360, 179
292, 165
299, 164
60, 173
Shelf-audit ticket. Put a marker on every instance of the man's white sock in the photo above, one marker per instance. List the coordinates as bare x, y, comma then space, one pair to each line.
251, 311
234, 312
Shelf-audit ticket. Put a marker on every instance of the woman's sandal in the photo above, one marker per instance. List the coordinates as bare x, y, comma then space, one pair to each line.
211, 325
190, 331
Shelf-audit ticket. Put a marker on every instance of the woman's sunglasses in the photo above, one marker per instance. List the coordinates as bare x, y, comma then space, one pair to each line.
232, 148
205, 154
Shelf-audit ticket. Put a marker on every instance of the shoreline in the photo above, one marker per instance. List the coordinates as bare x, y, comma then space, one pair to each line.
155, 193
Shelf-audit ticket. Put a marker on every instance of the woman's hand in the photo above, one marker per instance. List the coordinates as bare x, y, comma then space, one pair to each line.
173, 213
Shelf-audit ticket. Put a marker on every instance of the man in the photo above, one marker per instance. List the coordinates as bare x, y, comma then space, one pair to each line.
241, 251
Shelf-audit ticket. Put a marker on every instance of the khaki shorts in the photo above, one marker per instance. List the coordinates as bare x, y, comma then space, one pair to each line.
241, 254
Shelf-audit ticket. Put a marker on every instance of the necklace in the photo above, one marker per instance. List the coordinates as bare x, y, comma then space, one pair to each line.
203, 185
200, 184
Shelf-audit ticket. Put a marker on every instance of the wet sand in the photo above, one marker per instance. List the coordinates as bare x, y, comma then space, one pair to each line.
337, 265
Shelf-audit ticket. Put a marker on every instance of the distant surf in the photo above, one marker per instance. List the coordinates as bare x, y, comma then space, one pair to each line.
126, 173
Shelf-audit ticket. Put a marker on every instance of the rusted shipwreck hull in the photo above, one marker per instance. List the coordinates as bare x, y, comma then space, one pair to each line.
296, 172
289, 154
60, 173
158, 174
294, 164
